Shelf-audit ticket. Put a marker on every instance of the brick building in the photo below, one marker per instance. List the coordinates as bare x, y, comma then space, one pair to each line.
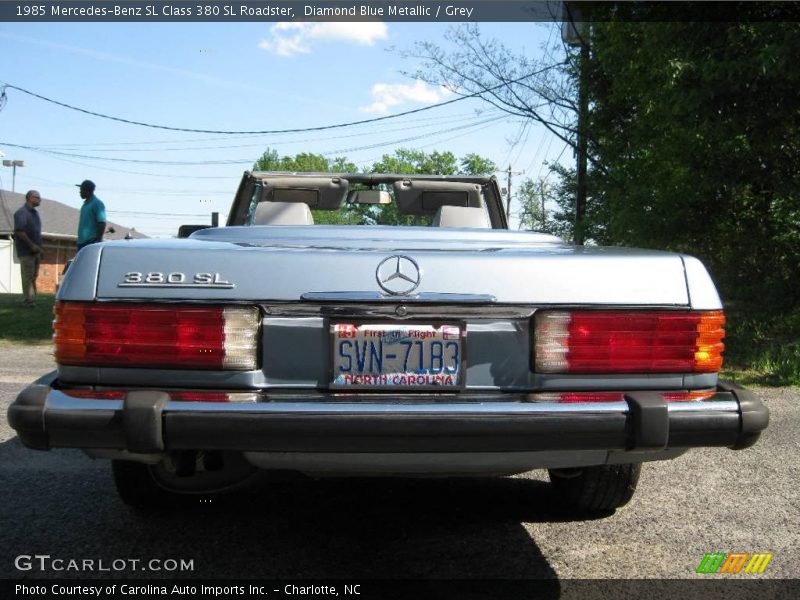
59, 228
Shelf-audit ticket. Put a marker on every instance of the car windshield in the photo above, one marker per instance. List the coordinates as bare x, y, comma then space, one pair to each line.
327, 200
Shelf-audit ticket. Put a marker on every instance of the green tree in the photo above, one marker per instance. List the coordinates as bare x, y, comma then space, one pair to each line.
696, 128
560, 220
530, 196
303, 162
474, 164
416, 161
695, 147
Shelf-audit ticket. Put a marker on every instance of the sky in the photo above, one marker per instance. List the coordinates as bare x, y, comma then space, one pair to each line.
233, 77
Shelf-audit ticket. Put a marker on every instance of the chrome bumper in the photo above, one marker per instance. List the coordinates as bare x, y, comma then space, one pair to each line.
147, 421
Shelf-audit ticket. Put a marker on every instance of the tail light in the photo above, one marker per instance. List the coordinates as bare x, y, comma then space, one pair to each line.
175, 396
153, 336
628, 342
597, 397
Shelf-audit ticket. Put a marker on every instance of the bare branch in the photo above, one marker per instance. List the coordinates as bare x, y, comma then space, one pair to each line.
514, 84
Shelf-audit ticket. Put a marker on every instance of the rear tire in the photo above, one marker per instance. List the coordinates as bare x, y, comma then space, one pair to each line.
137, 488
596, 489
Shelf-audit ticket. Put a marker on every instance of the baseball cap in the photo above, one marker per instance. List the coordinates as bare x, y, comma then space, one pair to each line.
86, 184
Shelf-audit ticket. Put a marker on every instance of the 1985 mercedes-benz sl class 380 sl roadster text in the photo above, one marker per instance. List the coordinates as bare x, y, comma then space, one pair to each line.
451, 346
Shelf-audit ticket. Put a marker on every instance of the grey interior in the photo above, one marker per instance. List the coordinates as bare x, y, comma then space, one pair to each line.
461, 216
283, 213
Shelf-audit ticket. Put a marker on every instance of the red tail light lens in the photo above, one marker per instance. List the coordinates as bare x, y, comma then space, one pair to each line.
147, 336
579, 397
175, 396
628, 342
593, 397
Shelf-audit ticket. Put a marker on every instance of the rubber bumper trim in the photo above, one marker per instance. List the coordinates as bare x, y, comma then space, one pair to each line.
649, 420
394, 433
754, 415
26, 415
142, 421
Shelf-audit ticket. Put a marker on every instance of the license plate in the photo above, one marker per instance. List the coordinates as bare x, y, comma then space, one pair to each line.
395, 355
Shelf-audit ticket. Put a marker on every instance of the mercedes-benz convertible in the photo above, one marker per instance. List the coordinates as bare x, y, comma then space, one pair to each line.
306, 336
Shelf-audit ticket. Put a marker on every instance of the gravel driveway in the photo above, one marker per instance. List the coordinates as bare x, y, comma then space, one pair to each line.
714, 500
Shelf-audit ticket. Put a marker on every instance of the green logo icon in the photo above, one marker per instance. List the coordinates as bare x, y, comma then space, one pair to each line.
717, 563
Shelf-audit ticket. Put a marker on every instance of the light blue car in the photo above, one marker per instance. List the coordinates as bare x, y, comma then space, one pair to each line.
446, 346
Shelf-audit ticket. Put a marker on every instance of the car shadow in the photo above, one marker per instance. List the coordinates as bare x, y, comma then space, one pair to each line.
63, 504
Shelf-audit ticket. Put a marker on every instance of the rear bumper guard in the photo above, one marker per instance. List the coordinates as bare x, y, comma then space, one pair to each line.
149, 422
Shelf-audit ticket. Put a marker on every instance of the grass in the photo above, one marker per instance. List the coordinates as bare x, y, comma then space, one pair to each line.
763, 349
23, 324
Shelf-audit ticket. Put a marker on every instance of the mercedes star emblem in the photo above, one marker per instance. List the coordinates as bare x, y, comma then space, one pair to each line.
398, 275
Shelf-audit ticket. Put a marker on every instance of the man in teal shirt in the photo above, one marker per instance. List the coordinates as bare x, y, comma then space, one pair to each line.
92, 224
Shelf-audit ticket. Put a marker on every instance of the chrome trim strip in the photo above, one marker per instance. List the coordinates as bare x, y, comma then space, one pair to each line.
704, 406
388, 307
57, 400
478, 408
378, 297
376, 304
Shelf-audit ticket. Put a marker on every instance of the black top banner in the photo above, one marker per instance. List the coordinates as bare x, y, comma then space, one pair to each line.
294, 10
391, 11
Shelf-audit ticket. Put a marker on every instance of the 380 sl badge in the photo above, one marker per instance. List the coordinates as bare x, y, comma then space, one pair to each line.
175, 279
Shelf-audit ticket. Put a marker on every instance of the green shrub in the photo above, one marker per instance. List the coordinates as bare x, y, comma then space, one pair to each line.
20, 323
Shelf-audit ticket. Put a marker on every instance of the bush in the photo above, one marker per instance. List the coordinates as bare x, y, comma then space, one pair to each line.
764, 346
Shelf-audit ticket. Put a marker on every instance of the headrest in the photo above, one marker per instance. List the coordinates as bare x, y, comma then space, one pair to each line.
460, 216
283, 213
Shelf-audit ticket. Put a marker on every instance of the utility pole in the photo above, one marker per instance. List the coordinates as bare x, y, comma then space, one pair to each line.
509, 173
14, 164
542, 194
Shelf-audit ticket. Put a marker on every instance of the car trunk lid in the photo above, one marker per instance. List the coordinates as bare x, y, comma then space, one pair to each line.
335, 262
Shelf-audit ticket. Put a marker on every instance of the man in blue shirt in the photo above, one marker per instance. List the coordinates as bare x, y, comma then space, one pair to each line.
28, 243
92, 223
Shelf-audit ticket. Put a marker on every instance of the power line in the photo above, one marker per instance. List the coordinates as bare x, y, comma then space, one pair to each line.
247, 160
274, 131
169, 176
472, 129
513, 144
524, 144
544, 157
258, 140
550, 170
179, 193
413, 138
258, 144
172, 163
128, 213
